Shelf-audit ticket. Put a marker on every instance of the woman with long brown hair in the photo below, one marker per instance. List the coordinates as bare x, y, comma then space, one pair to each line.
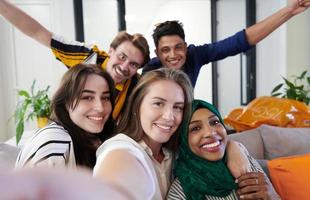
80, 121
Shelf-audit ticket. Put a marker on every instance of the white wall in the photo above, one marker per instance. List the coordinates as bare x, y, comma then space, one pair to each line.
23, 59
298, 42
231, 18
100, 22
271, 52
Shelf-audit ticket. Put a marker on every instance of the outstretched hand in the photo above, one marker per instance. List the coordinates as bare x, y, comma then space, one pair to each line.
298, 6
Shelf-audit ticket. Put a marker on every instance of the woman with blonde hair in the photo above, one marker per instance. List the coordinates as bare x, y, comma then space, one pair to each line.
139, 158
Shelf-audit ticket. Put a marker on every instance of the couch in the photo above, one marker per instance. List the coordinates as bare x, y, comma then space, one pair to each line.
8, 154
263, 143
269, 142
9, 150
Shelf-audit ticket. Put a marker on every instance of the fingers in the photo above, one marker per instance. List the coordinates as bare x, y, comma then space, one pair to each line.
249, 176
257, 195
252, 185
304, 3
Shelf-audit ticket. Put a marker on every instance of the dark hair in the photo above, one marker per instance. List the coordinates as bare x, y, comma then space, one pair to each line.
67, 95
130, 123
168, 28
137, 40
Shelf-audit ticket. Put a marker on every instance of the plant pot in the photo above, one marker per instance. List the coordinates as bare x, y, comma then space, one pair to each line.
42, 121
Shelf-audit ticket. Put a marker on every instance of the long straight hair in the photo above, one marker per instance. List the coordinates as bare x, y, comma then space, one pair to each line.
130, 123
67, 96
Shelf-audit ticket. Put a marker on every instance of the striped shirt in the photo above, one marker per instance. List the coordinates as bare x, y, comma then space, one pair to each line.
50, 146
72, 53
176, 191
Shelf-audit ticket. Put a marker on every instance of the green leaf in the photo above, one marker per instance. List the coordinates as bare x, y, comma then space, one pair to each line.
23, 93
276, 94
19, 130
302, 76
288, 83
34, 104
291, 94
277, 88
299, 87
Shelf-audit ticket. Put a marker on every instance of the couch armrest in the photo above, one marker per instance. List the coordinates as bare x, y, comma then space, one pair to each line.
8, 155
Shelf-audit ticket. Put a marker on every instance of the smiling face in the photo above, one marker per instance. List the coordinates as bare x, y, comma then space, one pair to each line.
171, 51
124, 61
207, 137
94, 106
161, 111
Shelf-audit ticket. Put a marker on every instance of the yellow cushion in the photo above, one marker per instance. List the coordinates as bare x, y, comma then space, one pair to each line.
290, 176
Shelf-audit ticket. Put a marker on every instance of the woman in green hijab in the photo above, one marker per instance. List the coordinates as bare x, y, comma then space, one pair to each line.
201, 170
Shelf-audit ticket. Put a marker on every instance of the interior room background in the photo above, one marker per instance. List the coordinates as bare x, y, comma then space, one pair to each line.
284, 53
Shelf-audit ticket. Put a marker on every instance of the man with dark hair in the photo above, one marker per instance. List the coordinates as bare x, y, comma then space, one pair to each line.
173, 52
126, 55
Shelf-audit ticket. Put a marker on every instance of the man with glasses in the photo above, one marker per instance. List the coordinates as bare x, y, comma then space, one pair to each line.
126, 55
173, 52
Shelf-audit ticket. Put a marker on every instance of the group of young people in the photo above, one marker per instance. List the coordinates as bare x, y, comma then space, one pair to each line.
134, 131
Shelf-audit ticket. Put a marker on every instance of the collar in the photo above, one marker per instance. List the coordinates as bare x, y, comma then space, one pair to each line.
148, 150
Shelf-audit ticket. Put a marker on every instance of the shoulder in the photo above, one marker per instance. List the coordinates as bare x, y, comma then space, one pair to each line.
52, 132
120, 155
123, 148
176, 191
120, 142
49, 143
153, 64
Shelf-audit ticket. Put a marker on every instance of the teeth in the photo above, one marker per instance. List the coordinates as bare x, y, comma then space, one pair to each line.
173, 61
95, 118
211, 145
119, 72
164, 127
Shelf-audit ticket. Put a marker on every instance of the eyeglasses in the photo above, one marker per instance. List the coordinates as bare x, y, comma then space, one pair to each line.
123, 58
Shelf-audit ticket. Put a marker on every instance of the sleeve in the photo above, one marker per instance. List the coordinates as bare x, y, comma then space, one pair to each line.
153, 64
71, 53
49, 147
255, 166
176, 191
230, 46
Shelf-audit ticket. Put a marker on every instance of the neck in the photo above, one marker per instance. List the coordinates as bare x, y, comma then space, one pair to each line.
156, 149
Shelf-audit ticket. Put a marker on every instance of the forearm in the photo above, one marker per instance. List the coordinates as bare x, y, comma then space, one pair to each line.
25, 23
237, 161
114, 168
262, 29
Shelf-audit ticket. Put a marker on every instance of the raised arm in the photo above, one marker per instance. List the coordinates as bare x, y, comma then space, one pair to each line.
262, 29
25, 23
122, 169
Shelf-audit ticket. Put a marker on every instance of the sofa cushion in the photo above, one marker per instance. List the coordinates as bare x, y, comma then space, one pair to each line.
281, 142
252, 140
290, 176
8, 155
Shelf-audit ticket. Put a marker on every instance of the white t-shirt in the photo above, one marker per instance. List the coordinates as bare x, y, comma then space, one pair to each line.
121, 141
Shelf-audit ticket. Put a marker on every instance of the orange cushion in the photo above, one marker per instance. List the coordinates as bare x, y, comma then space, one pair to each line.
290, 176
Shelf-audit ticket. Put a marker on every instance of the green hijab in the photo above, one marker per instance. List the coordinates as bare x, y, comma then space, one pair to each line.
200, 177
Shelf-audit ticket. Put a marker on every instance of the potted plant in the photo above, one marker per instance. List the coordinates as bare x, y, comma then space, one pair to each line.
32, 105
298, 89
